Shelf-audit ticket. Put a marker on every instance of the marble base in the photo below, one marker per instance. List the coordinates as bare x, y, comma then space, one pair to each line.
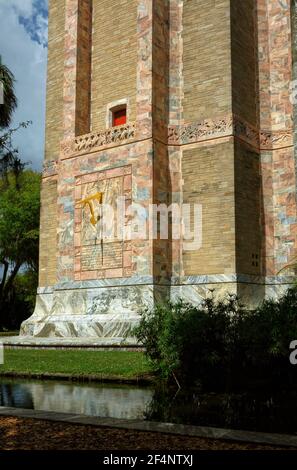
251, 294
111, 308
68, 326
106, 312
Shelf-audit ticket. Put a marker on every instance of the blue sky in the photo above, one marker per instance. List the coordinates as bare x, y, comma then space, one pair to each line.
23, 47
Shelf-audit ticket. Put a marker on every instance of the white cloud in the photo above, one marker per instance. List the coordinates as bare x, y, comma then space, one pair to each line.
27, 60
23, 7
42, 29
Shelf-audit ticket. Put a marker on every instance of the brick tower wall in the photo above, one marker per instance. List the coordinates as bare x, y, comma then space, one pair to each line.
209, 122
114, 61
54, 136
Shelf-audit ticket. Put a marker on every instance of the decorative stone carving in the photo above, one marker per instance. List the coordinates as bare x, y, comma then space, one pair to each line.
88, 142
67, 148
271, 140
245, 131
114, 135
228, 126
199, 131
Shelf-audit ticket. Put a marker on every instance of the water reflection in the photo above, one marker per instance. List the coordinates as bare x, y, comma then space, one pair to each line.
15, 396
257, 411
253, 411
92, 400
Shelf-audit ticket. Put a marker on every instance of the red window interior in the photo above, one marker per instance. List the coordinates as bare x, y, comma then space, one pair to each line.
119, 117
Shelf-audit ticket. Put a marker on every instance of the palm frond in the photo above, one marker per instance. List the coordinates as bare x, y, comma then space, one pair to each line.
10, 100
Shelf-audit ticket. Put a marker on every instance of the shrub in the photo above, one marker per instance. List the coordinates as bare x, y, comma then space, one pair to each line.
221, 343
191, 342
266, 335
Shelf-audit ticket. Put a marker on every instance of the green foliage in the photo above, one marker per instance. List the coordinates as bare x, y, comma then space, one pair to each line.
10, 100
154, 332
19, 219
183, 339
268, 331
25, 287
9, 155
19, 240
221, 342
19, 216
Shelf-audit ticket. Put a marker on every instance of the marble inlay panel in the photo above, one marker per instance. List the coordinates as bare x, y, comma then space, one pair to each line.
99, 253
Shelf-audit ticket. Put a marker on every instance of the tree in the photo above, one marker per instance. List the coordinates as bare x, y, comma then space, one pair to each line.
10, 101
9, 159
9, 156
19, 226
19, 214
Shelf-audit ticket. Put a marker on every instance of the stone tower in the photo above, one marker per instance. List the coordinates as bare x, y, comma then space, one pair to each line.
165, 102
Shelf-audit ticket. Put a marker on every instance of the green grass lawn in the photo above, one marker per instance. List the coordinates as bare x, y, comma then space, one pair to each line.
125, 364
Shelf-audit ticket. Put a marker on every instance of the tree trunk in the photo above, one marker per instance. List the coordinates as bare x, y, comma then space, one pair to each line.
11, 278
6, 286
2, 284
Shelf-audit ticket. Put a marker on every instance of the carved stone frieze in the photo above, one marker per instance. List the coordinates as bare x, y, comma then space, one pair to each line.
199, 131
229, 126
274, 140
88, 142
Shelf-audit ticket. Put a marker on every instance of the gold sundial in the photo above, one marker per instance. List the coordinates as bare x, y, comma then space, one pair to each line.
89, 201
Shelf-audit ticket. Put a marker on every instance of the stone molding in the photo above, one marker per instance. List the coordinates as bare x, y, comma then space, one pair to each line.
98, 140
196, 132
275, 140
200, 131
228, 126
174, 281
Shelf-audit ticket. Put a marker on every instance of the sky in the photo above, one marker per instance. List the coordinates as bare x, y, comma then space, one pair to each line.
23, 47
